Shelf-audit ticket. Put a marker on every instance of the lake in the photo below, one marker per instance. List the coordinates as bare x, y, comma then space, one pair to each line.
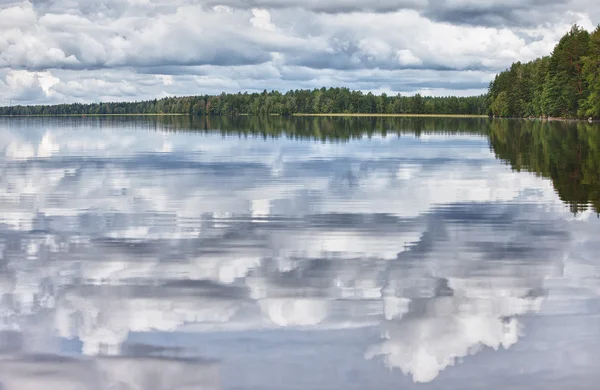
299, 253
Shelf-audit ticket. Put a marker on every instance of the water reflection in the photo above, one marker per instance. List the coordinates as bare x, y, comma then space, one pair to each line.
180, 256
566, 152
53, 372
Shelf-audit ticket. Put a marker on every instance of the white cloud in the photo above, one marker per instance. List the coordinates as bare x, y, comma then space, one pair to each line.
261, 18
407, 58
89, 51
166, 79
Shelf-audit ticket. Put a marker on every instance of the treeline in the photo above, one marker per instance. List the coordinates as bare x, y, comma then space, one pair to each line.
565, 84
317, 101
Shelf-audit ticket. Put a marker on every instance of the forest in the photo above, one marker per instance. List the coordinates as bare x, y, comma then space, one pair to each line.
316, 101
565, 84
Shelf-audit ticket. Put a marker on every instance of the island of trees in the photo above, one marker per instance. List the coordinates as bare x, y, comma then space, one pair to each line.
565, 84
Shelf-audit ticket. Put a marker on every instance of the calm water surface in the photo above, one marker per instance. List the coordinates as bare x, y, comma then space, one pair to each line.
178, 253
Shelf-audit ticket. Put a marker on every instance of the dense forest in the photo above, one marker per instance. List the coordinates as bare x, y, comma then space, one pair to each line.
317, 101
565, 84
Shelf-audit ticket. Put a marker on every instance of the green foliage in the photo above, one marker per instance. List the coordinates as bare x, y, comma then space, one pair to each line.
591, 72
565, 84
317, 101
499, 106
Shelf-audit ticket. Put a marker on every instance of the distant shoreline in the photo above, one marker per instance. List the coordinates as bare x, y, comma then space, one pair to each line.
298, 115
395, 115
260, 116
83, 115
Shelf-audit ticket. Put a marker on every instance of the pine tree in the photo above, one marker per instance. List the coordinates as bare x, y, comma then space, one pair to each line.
590, 106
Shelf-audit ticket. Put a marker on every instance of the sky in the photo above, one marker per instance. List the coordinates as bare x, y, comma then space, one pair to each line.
56, 51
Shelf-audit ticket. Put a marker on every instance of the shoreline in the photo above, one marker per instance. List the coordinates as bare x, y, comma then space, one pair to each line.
82, 115
301, 115
393, 115
271, 115
551, 119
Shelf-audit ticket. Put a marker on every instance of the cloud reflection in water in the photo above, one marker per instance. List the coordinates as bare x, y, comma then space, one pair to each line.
105, 234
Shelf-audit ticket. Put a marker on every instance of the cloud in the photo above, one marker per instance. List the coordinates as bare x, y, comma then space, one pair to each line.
105, 50
28, 86
467, 12
333, 7
261, 18
38, 41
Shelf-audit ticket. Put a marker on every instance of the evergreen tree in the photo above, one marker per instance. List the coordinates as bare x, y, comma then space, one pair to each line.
590, 106
565, 84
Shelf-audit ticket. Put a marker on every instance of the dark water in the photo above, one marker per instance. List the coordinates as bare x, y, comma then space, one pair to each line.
169, 253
